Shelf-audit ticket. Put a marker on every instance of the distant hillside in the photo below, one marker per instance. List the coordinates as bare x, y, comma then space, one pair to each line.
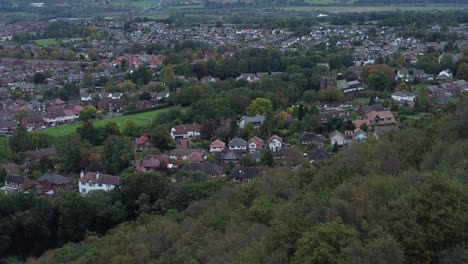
406, 2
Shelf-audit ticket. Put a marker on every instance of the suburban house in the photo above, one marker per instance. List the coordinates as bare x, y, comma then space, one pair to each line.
51, 181
143, 142
227, 156
403, 96
243, 174
336, 137
96, 181
359, 135
152, 163
186, 131
16, 183
307, 138
181, 154
275, 143
445, 75
207, 168
379, 118
217, 146
62, 116
317, 153
238, 144
256, 144
256, 121
365, 109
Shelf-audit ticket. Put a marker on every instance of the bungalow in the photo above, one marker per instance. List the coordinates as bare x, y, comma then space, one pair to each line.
16, 183
186, 131
96, 181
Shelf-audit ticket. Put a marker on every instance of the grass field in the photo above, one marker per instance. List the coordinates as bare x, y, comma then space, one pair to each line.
141, 119
140, 3
46, 42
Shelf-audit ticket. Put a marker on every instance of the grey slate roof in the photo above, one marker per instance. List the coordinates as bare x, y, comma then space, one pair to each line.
53, 178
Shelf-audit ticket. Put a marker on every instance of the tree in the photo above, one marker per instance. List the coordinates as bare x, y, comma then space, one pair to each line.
161, 138
378, 77
112, 128
463, 71
5, 150
402, 86
130, 129
325, 243
88, 132
87, 113
384, 250
331, 95
21, 141
71, 206
267, 158
128, 86
261, 106
168, 74
118, 152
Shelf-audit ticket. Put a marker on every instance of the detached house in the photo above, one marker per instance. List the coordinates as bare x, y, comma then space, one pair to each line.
50, 182
403, 96
336, 137
217, 146
186, 131
14, 183
256, 121
238, 144
256, 144
143, 143
152, 163
307, 138
243, 174
275, 143
96, 181
380, 118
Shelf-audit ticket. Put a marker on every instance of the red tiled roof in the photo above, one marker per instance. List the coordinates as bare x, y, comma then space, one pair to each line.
103, 178
217, 144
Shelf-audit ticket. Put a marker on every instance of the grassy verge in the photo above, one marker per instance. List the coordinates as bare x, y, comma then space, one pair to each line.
141, 119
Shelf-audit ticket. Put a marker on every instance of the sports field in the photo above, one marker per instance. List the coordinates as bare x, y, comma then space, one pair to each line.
141, 119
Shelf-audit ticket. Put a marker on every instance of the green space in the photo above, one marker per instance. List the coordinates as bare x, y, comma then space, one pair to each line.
142, 3
328, 2
141, 119
47, 42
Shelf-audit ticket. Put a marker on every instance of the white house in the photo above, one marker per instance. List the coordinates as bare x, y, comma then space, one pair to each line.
62, 116
186, 131
337, 137
256, 121
96, 181
275, 143
217, 146
402, 96
445, 75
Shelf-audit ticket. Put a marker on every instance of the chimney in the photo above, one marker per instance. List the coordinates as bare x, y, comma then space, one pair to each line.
97, 175
81, 174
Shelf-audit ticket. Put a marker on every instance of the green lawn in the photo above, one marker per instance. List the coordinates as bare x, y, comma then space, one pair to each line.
141, 119
46, 42
139, 3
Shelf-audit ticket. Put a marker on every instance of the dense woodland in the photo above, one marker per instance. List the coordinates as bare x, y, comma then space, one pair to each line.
402, 199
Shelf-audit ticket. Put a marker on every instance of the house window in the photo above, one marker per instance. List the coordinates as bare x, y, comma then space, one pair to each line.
90, 184
100, 185
83, 190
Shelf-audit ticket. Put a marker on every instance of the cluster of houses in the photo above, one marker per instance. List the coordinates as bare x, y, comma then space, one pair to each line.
50, 183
